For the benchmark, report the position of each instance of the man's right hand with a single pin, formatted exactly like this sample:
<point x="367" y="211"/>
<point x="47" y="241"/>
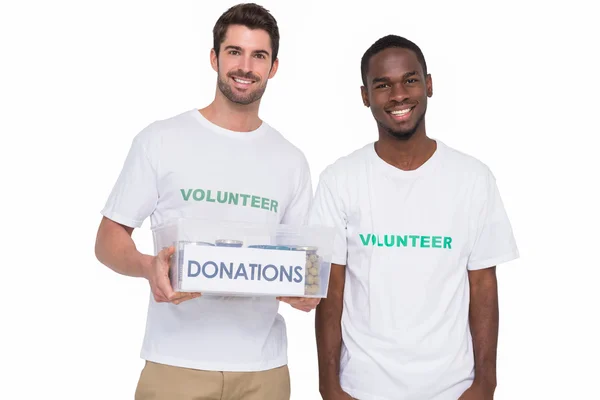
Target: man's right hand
<point x="157" y="274"/>
<point x="336" y="394"/>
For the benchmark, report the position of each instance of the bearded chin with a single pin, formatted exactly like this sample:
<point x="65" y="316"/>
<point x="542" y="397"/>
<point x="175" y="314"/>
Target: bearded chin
<point x="228" y="92"/>
<point x="402" y="135"/>
<point x="405" y="134"/>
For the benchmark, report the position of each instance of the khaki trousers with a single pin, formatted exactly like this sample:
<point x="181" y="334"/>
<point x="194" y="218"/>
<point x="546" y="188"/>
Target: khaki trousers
<point x="165" y="382"/>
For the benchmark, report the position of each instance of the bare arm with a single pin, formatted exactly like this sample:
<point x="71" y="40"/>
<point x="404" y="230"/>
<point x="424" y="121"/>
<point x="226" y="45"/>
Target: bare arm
<point x="329" y="335"/>
<point x="115" y="249"/>
<point x="484" y="318"/>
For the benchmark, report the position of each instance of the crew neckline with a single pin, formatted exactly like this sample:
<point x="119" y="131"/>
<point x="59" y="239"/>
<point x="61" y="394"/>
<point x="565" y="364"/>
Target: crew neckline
<point x="249" y="135"/>
<point x="389" y="169"/>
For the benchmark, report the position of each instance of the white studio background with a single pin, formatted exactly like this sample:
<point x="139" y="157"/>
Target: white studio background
<point x="515" y="85"/>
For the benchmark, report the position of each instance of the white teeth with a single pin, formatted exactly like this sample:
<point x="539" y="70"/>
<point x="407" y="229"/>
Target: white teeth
<point x="242" y="81"/>
<point x="400" y="112"/>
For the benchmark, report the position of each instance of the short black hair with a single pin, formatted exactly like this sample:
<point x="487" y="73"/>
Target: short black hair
<point x="387" y="42"/>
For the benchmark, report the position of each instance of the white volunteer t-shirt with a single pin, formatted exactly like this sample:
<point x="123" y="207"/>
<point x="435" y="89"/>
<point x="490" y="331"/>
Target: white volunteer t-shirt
<point x="408" y="239"/>
<point x="186" y="166"/>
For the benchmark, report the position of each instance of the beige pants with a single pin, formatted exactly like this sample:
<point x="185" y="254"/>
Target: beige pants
<point x="165" y="382"/>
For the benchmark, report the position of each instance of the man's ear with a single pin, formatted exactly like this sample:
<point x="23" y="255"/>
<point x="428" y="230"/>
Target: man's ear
<point x="429" y="85"/>
<point x="274" y="68"/>
<point x="214" y="60"/>
<point x="365" y="96"/>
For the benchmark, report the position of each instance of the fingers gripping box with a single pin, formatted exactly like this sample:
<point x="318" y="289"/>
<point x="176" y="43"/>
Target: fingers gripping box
<point x="238" y="258"/>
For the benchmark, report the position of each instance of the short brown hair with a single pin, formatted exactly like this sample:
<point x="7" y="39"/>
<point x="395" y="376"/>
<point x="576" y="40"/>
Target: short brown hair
<point x="252" y="16"/>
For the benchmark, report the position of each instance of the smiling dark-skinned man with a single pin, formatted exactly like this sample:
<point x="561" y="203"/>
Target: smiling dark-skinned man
<point x="412" y="307"/>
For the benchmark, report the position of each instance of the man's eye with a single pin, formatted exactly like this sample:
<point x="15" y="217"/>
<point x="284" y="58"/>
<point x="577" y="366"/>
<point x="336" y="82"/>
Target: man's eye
<point x="383" y="85"/>
<point x="234" y="52"/>
<point x="412" y="80"/>
<point x="262" y="56"/>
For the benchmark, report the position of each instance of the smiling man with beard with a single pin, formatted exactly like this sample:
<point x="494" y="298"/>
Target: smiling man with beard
<point x="212" y="347"/>
<point x="412" y="305"/>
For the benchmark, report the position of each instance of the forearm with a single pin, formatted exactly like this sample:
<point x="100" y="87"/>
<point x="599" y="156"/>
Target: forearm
<point x="329" y="332"/>
<point x="484" y="321"/>
<point x="116" y="249"/>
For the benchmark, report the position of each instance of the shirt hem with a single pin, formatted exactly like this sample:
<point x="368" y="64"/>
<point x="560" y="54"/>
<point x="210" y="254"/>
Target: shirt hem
<point x="339" y="261"/>
<point x="357" y="394"/>
<point x="211" y="366"/>
<point x="118" y="218"/>
<point x="493" y="261"/>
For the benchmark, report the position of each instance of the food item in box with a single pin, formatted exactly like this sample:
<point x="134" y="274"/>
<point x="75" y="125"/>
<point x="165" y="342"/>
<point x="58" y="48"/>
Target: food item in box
<point x="313" y="261"/>
<point x="269" y="247"/>
<point x="311" y="289"/>
<point x="229" y="243"/>
<point x="312" y="280"/>
<point x="183" y="243"/>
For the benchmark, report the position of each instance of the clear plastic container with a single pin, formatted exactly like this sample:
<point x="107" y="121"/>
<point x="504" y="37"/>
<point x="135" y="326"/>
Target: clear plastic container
<point x="247" y="259"/>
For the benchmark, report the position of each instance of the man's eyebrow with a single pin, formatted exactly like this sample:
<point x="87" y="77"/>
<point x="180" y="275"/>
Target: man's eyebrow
<point x="383" y="79"/>
<point x="380" y="79"/>
<point x="238" y="48"/>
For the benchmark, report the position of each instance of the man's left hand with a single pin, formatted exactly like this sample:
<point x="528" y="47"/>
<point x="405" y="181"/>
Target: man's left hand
<point x="301" y="303"/>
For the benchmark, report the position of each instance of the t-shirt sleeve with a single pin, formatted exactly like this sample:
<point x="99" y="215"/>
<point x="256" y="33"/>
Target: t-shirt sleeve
<point x="296" y="213"/>
<point x="135" y="193"/>
<point x="494" y="241"/>
<point x="327" y="210"/>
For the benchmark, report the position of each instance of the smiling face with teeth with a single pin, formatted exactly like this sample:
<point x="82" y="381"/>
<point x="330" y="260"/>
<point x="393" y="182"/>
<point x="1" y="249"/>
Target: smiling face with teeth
<point x="396" y="91"/>
<point x="244" y="64"/>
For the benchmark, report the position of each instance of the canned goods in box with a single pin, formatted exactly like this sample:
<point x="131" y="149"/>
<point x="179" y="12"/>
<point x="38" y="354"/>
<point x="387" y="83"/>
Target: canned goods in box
<point x="269" y="247"/>
<point x="183" y="243"/>
<point x="198" y="243"/>
<point x="229" y="243"/>
<point x="313" y="263"/>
